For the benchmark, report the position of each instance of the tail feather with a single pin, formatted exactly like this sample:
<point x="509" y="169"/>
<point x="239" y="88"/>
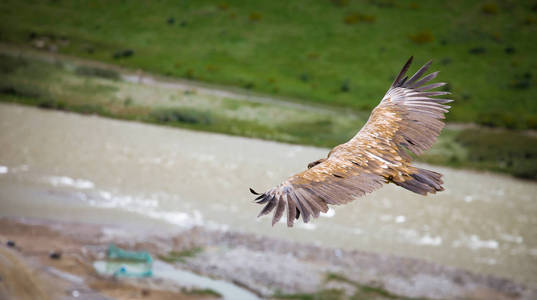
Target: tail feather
<point x="422" y="182"/>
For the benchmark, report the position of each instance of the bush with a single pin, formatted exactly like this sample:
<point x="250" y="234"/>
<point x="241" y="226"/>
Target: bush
<point x="357" y="17"/>
<point x="9" y="64"/>
<point x="255" y="17"/>
<point x="97" y="72"/>
<point x="522" y="81"/>
<point x="490" y="8"/>
<point x="500" y="119"/>
<point x="123" y="53"/>
<point x="422" y="37"/>
<point x="88" y="109"/>
<point x="181" y="115"/>
<point x="506" y="151"/>
<point x="223" y="6"/>
<point x="189" y="74"/>
<point x="530" y="20"/>
<point x="478" y="50"/>
<point x="340" y="3"/>
<point x="22" y="91"/>
<point x="51" y="104"/>
<point x="345" y="86"/>
<point x="531" y="122"/>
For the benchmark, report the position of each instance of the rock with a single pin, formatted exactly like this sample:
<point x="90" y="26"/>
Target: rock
<point x="55" y="255"/>
<point x="446" y="61"/>
<point x="128" y="53"/>
<point x="11" y="244"/>
<point x="510" y="50"/>
<point x="123" y="53"/>
<point x="477" y="50"/>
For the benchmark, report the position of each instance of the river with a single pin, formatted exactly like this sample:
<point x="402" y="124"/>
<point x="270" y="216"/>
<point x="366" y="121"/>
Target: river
<point x="84" y="168"/>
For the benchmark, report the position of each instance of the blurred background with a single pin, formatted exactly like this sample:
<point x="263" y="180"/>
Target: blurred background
<point x="143" y="124"/>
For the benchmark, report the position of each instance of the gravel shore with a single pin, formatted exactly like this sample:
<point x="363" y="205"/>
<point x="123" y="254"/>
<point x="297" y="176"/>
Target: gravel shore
<point x="265" y="266"/>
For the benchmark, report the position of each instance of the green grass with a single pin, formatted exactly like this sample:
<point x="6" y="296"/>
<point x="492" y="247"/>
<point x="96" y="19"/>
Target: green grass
<point x="63" y="86"/>
<point x="361" y="292"/>
<point x="60" y="85"/>
<point x="328" y="294"/>
<point x="203" y="293"/>
<point x="340" y="53"/>
<point x="180" y="256"/>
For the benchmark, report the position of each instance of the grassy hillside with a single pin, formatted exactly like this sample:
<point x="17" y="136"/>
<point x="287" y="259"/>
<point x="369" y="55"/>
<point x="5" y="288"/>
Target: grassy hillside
<point x="64" y="85"/>
<point x="339" y="52"/>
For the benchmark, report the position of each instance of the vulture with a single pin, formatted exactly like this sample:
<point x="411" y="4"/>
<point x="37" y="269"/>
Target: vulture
<point x="407" y="120"/>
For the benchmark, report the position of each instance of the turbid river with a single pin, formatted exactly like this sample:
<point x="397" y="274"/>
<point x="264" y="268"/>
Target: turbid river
<point x="67" y="166"/>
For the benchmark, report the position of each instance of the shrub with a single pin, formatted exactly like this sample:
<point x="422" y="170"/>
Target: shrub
<point x="22" y="91"/>
<point x="127" y="102"/>
<point x="181" y="115"/>
<point x="489" y="8"/>
<point x="531" y="122"/>
<point x="530" y="20"/>
<point x="446" y="61"/>
<point x="478" y="50"/>
<point x="340" y="3"/>
<point x="505" y="151"/>
<point x="223" y="6"/>
<point x="313" y="55"/>
<point x="510" y="50"/>
<point x="345" y="86"/>
<point x="521" y="82"/>
<point x="357" y="17"/>
<point x="88" y="109"/>
<point x="51" y="104"/>
<point x="383" y="3"/>
<point x="211" y="68"/>
<point x="414" y="5"/>
<point x="422" y="37"/>
<point x="123" y="53"/>
<point x="189" y="74"/>
<point x="9" y="64"/>
<point x="255" y="17"/>
<point x="97" y="72"/>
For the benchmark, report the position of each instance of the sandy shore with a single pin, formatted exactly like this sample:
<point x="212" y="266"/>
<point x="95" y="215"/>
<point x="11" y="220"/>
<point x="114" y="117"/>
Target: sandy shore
<point x="262" y="265"/>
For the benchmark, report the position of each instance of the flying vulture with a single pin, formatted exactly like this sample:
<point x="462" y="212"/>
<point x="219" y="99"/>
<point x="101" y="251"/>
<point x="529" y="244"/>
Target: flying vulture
<point x="408" y="119"/>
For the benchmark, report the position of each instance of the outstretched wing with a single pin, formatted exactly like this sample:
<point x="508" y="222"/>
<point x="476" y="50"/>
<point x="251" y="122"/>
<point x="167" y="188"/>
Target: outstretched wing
<point x="407" y="119"/>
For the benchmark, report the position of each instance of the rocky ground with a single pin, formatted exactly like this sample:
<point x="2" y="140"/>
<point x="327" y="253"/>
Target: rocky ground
<point x="268" y="267"/>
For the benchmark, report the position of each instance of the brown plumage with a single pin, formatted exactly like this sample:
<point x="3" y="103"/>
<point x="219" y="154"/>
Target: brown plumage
<point x="408" y="118"/>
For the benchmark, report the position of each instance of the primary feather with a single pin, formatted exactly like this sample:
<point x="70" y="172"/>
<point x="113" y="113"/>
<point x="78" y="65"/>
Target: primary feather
<point x="408" y="118"/>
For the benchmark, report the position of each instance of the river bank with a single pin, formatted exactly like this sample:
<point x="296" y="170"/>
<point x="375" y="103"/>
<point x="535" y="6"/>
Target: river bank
<point x="268" y="267"/>
<point x="55" y="81"/>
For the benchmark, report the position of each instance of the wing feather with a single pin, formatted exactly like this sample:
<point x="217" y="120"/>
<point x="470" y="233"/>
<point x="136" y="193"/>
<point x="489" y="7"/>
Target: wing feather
<point x="291" y="211"/>
<point x="279" y="210"/>
<point x="407" y="119"/>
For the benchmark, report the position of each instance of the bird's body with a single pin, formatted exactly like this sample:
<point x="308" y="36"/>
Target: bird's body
<point x="407" y="119"/>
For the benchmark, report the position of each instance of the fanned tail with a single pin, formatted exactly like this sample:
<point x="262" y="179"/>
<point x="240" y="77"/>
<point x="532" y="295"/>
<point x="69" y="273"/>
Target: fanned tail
<point x="422" y="182"/>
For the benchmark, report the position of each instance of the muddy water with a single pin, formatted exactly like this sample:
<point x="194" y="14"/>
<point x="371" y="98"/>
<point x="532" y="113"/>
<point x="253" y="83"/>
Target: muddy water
<point x="67" y="166"/>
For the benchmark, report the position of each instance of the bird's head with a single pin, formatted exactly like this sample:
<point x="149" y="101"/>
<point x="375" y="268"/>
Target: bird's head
<point x="313" y="164"/>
